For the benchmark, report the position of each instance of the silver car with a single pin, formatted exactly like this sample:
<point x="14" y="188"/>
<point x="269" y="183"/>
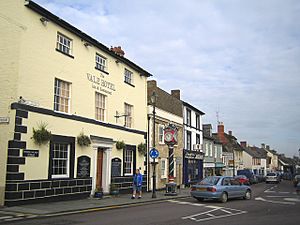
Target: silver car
<point x="220" y="188"/>
<point x="272" y="178"/>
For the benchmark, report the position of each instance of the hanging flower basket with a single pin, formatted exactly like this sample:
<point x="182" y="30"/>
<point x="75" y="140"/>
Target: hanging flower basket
<point x="83" y="140"/>
<point x="120" y="145"/>
<point x="142" y="148"/>
<point x="41" y="135"/>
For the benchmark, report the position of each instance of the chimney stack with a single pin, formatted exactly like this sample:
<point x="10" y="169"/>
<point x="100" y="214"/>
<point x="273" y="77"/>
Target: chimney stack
<point x="118" y="50"/>
<point x="230" y="132"/>
<point x="263" y="145"/>
<point x="175" y="93"/>
<point x="221" y="135"/>
<point x="268" y="147"/>
<point x="243" y="144"/>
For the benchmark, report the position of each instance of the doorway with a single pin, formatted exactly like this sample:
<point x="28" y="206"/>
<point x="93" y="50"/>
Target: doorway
<point x="99" y="168"/>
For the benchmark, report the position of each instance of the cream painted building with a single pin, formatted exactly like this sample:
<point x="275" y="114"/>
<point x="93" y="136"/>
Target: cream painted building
<point x="52" y="73"/>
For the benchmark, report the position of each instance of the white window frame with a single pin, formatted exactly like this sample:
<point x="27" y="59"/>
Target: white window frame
<point x="126" y="156"/>
<point x="188" y="117"/>
<point x="64" y="43"/>
<point x="175" y="165"/>
<point x="128" y="110"/>
<point x="100" y="107"/>
<point x="58" y="95"/>
<point x="101" y="62"/>
<point x="67" y="163"/>
<point x="164" y="168"/>
<point x="206" y="149"/>
<point x="128" y="76"/>
<point x="161" y="135"/>
<point x="210" y="150"/>
<point x="216" y="151"/>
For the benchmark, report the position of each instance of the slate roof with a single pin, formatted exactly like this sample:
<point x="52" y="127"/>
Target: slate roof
<point x="232" y="143"/>
<point x="256" y="152"/>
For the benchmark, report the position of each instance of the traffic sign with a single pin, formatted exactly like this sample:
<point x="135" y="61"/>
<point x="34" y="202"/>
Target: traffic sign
<point x="154" y="153"/>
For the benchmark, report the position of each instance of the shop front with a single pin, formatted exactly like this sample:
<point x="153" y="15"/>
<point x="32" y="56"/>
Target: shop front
<point x="193" y="167"/>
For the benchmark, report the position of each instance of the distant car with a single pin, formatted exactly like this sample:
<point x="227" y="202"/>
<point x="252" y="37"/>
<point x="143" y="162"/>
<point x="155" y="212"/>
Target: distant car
<point x="298" y="188"/>
<point x="249" y="174"/>
<point x="296" y="180"/>
<point x="242" y="179"/>
<point x="272" y="178"/>
<point x="220" y="188"/>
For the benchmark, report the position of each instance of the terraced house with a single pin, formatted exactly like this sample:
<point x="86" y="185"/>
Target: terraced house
<point x="56" y="78"/>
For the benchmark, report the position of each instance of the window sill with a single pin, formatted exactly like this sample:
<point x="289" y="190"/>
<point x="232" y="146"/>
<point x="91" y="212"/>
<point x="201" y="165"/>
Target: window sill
<point x="129" y="84"/>
<point x="64" y="53"/>
<point x="103" y="71"/>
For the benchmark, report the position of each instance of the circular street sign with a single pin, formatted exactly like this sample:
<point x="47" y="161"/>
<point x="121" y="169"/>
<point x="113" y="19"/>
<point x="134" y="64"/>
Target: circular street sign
<point x="154" y="153"/>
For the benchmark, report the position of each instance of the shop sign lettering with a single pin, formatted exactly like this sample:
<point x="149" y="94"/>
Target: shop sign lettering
<point x="100" y="84"/>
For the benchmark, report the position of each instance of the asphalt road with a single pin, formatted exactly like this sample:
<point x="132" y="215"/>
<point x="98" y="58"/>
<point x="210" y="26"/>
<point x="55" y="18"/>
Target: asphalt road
<point x="271" y="204"/>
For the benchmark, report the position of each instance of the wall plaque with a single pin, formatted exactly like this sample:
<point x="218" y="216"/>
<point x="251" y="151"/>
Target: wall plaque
<point x="83" y="166"/>
<point x="30" y="153"/>
<point x="116" y="167"/>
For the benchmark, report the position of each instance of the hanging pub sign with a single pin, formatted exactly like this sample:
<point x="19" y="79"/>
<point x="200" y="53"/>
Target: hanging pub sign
<point x="170" y="134"/>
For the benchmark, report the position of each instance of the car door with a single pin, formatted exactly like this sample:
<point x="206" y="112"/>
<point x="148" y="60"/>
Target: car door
<point x="227" y="187"/>
<point x="238" y="189"/>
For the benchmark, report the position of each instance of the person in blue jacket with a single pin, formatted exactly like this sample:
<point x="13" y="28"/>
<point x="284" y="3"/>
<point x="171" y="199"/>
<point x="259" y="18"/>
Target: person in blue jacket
<point x="137" y="184"/>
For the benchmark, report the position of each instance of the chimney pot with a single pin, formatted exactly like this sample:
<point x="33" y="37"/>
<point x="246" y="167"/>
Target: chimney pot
<point x="118" y="50"/>
<point x="230" y="132"/>
<point x="175" y="93"/>
<point x="268" y="147"/>
<point x="243" y="144"/>
<point x="263" y="145"/>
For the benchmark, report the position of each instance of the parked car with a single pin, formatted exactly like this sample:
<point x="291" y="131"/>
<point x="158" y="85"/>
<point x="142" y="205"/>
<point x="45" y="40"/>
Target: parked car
<point x="249" y="174"/>
<point x="296" y="180"/>
<point x="220" y="188"/>
<point x="242" y="179"/>
<point x="272" y="178"/>
<point x="298" y="188"/>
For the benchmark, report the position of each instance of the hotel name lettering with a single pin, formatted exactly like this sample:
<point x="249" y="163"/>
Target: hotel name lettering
<point x="100" y="84"/>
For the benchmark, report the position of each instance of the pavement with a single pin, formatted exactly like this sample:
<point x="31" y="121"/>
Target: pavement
<point x="49" y="209"/>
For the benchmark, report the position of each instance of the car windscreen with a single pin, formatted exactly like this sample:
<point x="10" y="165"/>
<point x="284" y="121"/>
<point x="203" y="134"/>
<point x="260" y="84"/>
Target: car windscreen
<point x="210" y="181"/>
<point x="271" y="174"/>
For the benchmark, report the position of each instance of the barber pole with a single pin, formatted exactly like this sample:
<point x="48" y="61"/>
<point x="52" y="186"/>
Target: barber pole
<point x="170" y="134"/>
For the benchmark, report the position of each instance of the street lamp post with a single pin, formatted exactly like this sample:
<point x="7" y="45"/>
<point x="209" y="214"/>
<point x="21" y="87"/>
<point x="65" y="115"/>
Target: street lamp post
<point x="153" y="101"/>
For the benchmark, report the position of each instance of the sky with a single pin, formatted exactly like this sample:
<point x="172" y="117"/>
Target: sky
<point x="235" y="57"/>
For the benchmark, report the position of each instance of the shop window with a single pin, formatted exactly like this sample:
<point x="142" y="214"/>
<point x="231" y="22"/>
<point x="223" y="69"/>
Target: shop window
<point x="62" y="156"/>
<point x="60" y="160"/>
<point x="64" y="44"/>
<point x="100" y="102"/>
<point x="101" y="63"/>
<point x="128" y="113"/>
<point x="62" y="97"/>
<point x="128" y="162"/>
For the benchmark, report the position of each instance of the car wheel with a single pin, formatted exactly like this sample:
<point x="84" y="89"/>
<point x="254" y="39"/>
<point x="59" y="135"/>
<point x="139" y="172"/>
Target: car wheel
<point x="224" y="197"/>
<point x="200" y="199"/>
<point x="248" y="195"/>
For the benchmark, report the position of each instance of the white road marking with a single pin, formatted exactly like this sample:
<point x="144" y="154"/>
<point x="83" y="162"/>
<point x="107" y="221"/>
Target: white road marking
<point x="5" y="217"/>
<point x="13" y="219"/>
<point x="275" y="202"/>
<point x="198" y="214"/>
<point x="277" y="196"/>
<point x="283" y="192"/>
<point x="292" y="199"/>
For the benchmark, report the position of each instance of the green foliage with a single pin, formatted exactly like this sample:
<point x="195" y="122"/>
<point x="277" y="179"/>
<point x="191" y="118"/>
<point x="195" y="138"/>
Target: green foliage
<point x="142" y="148"/>
<point x="41" y="135"/>
<point x="120" y="145"/>
<point x="83" y="140"/>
